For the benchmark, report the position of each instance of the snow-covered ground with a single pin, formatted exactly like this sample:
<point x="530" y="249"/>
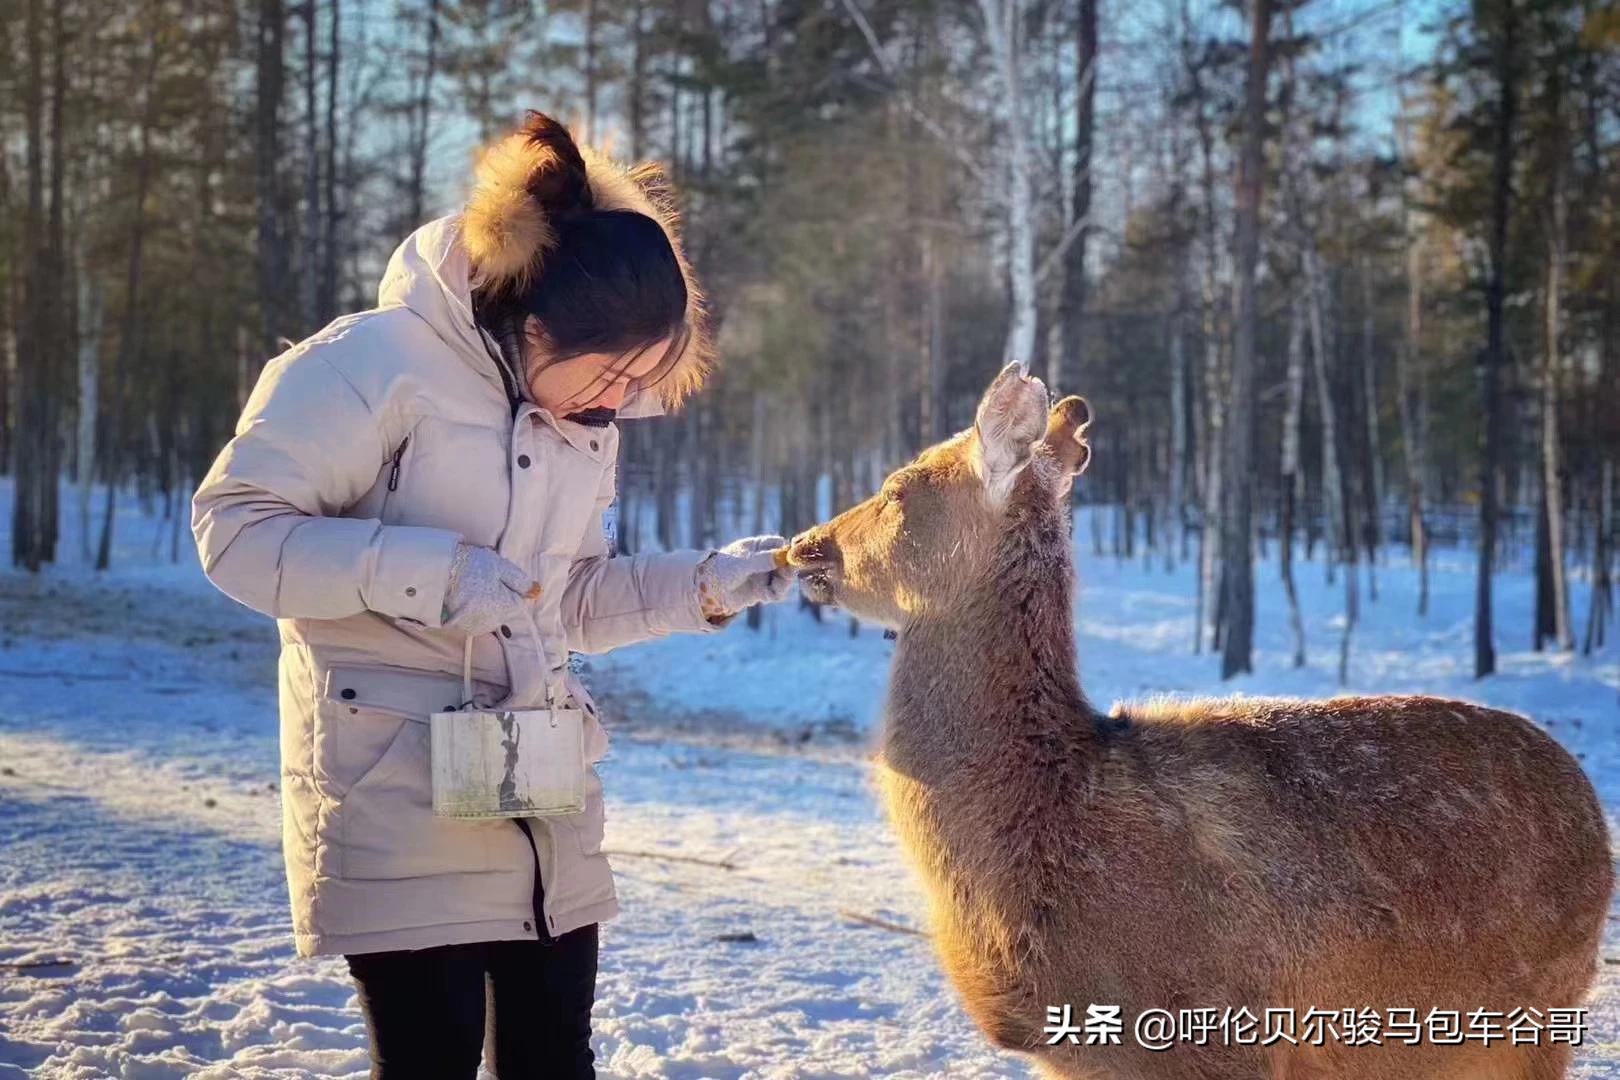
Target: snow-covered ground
<point x="143" y="927"/>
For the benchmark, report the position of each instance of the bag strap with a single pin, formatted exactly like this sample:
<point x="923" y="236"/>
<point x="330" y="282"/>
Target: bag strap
<point x="556" y="692"/>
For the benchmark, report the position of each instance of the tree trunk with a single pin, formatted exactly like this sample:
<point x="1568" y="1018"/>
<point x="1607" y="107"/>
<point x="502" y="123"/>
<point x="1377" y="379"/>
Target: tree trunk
<point x="1003" y="27"/>
<point x="591" y="21"/>
<point x="1560" y="626"/>
<point x="89" y="299"/>
<point x="932" y="420"/>
<point x="1602" y="605"/>
<point x="327" y="294"/>
<point x="1236" y="525"/>
<point x="1073" y="316"/>
<point x="310" y="275"/>
<point x="1176" y="510"/>
<point x="1335" y="488"/>
<point x="267" y="156"/>
<point x="1214" y="390"/>
<point x="1409" y="374"/>
<point x="33" y="369"/>
<point x="130" y="331"/>
<point x="664" y="450"/>
<point x="1372" y="533"/>
<point x="638" y="82"/>
<point x="756" y="479"/>
<point x="698" y="521"/>
<point x="1495" y="356"/>
<point x="1290" y="482"/>
<point x="421" y="120"/>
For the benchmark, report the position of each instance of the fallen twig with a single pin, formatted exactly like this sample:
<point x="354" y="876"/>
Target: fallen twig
<point x="79" y="676"/>
<point x="724" y="864"/>
<point x="881" y="924"/>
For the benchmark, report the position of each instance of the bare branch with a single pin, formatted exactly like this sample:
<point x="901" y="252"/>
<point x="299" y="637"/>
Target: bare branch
<point x="963" y="158"/>
<point x="1055" y="256"/>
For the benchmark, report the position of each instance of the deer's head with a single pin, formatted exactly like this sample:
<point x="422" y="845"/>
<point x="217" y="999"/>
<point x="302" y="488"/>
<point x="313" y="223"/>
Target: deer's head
<point x="930" y="531"/>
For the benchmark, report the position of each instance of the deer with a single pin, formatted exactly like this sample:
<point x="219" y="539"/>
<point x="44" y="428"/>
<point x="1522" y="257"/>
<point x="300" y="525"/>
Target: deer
<point x="1369" y="853"/>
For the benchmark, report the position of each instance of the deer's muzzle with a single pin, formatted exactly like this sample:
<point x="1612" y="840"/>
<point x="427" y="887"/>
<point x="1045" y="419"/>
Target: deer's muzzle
<point x="815" y="557"/>
<point x="813" y="550"/>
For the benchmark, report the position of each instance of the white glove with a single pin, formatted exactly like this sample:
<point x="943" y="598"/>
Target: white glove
<point x="741" y="574"/>
<point x="485" y="591"/>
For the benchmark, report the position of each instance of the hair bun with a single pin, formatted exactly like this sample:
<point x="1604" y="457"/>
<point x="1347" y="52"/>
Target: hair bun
<point x="558" y="182"/>
<point x="528" y="176"/>
<point x="523" y="186"/>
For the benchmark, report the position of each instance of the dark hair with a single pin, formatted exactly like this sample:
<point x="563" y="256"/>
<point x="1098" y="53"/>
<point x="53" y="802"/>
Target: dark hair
<point x="611" y="285"/>
<point x="609" y="282"/>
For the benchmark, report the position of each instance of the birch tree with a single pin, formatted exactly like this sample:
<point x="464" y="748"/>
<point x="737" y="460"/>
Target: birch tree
<point x="1409" y="361"/>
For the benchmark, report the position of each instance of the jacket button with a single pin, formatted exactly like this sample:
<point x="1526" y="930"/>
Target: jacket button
<point x="523" y="461"/>
<point x="347" y="694"/>
<point x="506" y="631"/>
<point x="593" y="444"/>
<point x="410" y="590"/>
<point x="527" y="925"/>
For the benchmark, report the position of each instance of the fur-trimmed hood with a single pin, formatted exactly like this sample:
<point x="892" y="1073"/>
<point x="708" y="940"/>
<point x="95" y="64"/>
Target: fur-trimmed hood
<point x="508" y="234"/>
<point x="429" y="274"/>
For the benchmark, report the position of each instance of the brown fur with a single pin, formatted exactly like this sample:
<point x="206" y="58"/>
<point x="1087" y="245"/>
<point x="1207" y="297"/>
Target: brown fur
<point x="1365" y="852"/>
<point x="506" y="225"/>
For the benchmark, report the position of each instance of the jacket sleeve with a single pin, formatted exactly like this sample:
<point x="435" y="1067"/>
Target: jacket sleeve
<point x="611" y="602"/>
<point x="266" y="517"/>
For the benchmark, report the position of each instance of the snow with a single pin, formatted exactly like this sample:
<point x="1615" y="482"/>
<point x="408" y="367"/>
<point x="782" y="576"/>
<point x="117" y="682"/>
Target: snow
<point x="143" y="922"/>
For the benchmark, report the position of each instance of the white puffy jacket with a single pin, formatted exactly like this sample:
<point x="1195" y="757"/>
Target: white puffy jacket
<point x="364" y="454"/>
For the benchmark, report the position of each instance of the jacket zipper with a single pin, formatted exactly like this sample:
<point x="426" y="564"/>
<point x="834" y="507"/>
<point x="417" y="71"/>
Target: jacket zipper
<point x="399" y="455"/>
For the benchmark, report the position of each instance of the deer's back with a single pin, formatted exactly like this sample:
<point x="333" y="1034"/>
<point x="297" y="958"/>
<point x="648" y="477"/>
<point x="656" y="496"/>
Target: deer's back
<point x="1412" y="848"/>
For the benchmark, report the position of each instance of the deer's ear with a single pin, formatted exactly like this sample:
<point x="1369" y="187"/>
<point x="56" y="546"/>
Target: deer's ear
<point x="1065" y="438"/>
<point x="1011" y="417"/>
<point x="1066" y="434"/>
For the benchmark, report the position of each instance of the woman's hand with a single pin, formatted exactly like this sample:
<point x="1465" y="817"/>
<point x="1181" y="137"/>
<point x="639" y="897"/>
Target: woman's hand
<point x="485" y="590"/>
<point x="741" y="574"/>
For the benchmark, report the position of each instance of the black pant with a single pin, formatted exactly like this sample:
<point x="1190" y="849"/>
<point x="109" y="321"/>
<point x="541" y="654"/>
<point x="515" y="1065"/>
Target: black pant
<point x="427" y="1016"/>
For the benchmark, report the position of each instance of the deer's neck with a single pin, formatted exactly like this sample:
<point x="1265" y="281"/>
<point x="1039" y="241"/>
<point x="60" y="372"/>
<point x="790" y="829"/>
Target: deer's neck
<point x="989" y="749"/>
<point x="992" y="688"/>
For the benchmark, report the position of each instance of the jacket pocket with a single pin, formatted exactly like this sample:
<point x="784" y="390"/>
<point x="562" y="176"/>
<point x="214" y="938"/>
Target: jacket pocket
<point x="394" y="472"/>
<point x="385" y="825"/>
<point x="364" y="710"/>
<point x="591" y="822"/>
<point x="596" y="737"/>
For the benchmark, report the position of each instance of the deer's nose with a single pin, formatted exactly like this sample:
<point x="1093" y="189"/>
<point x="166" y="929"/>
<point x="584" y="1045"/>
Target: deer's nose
<point x="812" y="549"/>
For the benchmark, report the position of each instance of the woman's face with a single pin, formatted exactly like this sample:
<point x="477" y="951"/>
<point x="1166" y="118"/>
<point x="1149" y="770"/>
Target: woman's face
<point x="592" y="380"/>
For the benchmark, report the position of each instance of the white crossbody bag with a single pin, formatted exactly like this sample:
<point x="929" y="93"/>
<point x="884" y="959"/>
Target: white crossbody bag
<point x="507" y="763"/>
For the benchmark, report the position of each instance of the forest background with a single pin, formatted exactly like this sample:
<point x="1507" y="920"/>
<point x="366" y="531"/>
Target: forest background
<point x="1337" y="276"/>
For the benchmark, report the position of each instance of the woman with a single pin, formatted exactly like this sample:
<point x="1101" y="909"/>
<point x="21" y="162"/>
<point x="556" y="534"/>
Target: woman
<point x="437" y="468"/>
